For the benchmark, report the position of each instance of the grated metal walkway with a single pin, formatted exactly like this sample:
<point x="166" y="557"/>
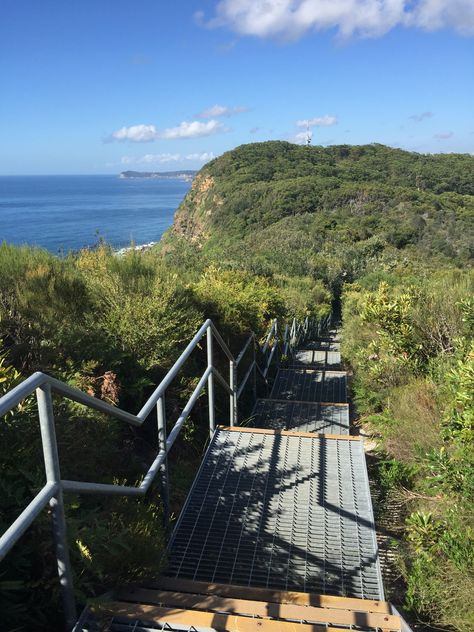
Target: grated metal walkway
<point x="310" y="385"/>
<point x="328" y="344"/>
<point x="300" y="416"/>
<point x="317" y="359"/>
<point x="280" y="510"/>
<point x="280" y="513"/>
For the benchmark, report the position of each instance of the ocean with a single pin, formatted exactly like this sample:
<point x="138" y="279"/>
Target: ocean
<point x="64" y="213"/>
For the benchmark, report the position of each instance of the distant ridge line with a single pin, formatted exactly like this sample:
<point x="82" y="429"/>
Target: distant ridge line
<point x="186" y="174"/>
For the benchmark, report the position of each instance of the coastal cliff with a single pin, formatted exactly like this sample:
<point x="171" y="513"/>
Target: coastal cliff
<point x="344" y="202"/>
<point x="194" y="215"/>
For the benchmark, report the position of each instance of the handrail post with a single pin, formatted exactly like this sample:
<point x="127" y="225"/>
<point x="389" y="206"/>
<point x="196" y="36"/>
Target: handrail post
<point x="254" y="359"/>
<point x="53" y="475"/>
<point x="210" y="382"/>
<point x="233" y="396"/>
<point x="165" y="485"/>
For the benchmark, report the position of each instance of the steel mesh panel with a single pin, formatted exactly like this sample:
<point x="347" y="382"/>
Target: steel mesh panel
<point x="279" y="511"/>
<point x="330" y="344"/>
<point x="319" y="359"/>
<point x="300" y="416"/>
<point x="310" y="385"/>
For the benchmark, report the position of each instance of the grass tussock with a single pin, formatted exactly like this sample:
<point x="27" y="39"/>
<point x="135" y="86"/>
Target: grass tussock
<point x="416" y="426"/>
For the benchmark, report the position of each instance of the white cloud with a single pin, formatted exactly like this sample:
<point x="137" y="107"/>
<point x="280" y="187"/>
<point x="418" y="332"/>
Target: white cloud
<point x="302" y="137"/>
<point x="136" y="133"/>
<point x="431" y="15"/>
<point x="222" y="110"/>
<point x="204" y="157"/>
<point x="167" y="158"/>
<point x="443" y="135"/>
<point x="318" y="121"/>
<point x="291" y="19"/>
<point x="421" y="117"/>
<point x="186" y="129"/>
<point x="159" y="158"/>
<point x="194" y="129"/>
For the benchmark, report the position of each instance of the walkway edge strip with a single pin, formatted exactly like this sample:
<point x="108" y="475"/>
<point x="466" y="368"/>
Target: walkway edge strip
<point x="289" y="433"/>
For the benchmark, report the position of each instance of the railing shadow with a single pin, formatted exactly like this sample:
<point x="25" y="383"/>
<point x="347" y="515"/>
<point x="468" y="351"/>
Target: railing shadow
<point x="258" y="515"/>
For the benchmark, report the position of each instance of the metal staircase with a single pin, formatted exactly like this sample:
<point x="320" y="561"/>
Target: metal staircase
<point x="277" y="531"/>
<point x="310" y="393"/>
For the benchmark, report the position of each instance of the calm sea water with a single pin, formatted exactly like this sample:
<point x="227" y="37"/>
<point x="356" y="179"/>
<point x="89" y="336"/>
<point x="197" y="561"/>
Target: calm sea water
<point x="63" y="213"/>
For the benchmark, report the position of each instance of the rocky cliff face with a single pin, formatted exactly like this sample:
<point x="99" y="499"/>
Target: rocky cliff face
<point x="193" y="217"/>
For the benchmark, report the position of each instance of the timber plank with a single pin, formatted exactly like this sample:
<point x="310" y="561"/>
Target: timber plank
<point x="275" y="596"/>
<point x="262" y="609"/>
<point x="198" y="619"/>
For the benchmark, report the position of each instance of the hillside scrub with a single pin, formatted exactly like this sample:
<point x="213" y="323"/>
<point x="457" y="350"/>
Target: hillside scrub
<point x="411" y="345"/>
<point x="111" y="326"/>
<point x="333" y="213"/>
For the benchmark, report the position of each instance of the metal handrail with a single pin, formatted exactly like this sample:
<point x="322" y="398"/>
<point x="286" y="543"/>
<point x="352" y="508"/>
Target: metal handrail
<point x="52" y="492"/>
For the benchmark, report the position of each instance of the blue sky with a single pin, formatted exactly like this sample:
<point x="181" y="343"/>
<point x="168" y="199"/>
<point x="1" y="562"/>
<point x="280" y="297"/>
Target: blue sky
<point x="99" y="86"/>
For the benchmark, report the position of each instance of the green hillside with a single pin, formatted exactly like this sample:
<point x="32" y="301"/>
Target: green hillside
<point x="307" y="209"/>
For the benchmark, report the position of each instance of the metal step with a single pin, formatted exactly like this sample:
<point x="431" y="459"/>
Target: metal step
<point x="324" y="344"/>
<point x="310" y="385"/>
<point x="316" y="359"/>
<point x="301" y="416"/>
<point x="284" y="510"/>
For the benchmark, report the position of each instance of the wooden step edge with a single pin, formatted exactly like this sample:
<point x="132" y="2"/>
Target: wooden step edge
<point x="290" y="433"/>
<point x="269" y="595"/>
<point x="262" y="609"/>
<point x="209" y="620"/>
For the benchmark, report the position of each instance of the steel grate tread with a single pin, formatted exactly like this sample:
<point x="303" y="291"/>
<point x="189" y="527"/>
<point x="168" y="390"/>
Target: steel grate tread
<point x="317" y="359"/>
<point x="280" y="511"/>
<point x="328" y="344"/>
<point x="310" y="385"/>
<point x="300" y="416"/>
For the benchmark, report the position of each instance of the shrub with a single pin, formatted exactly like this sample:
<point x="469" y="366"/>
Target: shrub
<point x="238" y="301"/>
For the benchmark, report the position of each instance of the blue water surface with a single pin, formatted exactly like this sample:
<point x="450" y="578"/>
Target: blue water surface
<point x="63" y="213"/>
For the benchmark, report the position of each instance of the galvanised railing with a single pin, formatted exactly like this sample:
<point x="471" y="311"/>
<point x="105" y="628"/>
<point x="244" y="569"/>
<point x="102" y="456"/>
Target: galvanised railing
<point x="44" y="385"/>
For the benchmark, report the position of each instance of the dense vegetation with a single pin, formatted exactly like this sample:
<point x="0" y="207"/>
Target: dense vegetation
<point x="330" y="213"/>
<point x="411" y="343"/>
<point x="267" y="230"/>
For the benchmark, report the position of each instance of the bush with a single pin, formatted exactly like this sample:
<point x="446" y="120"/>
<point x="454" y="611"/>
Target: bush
<point x="238" y="301"/>
<point x="410" y="342"/>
